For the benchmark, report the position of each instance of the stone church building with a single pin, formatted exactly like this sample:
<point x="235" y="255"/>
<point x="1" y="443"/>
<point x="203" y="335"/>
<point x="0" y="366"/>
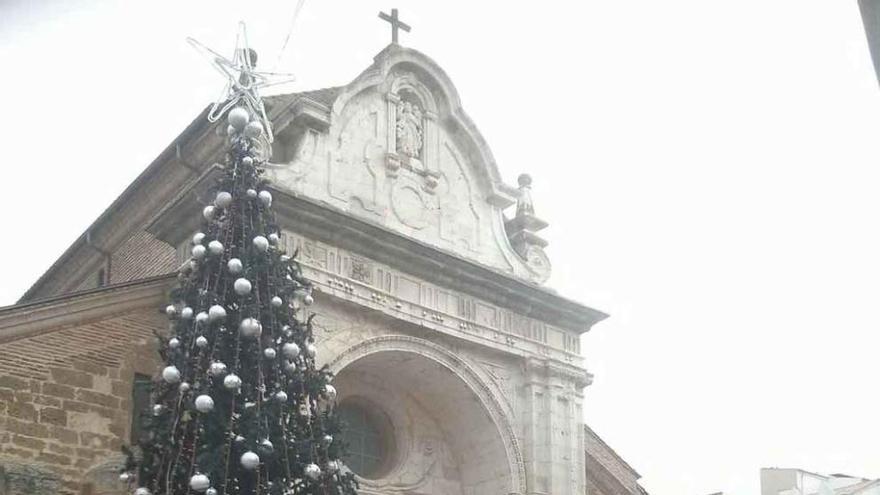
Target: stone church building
<point x="458" y="371"/>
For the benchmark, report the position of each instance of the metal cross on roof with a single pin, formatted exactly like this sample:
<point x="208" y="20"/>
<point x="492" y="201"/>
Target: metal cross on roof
<point x="396" y="24"/>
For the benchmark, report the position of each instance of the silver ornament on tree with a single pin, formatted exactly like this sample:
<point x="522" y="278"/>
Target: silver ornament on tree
<point x="198" y="251"/>
<point x="202" y="317"/>
<point x="274" y="238"/>
<point x="250" y="327"/>
<point x="332" y="466"/>
<point x="308" y="300"/>
<point x="253" y="129"/>
<point x="312" y="471"/>
<point x="250" y="460"/>
<point x="290" y="350"/>
<point x="327" y="440"/>
<point x="277" y="302"/>
<point x="199" y="482"/>
<point x="281" y="396"/>
<point x="215" y="248"/>
<point x="171" y="374"/>
<point x="232" y="381"/>
<point x="217" y="368"/>
<point x="186" y="313"/>
<point x="208" y="212"/>
<point x="198" y="238"/>
<point x="158" y="409"/>
<point x="242" y="286"/>
<point x="238" y="118"/>
<point x="311" y="350"/>
<point x="142" y="491"/>
<point x="184" y="387"/>
<point x="211" y="491"/>
<point x="216" y="313"/>
<point x="124" y="477"/>
<point x="234" y="266"/>
<point x="174" y="343"/>
<point x="261" y="243"/>
<point x="223" y="199"/>
<point x="265" y="198"/>
<point x="247" y="161"/>
<point x="266" y="446"/>
<point x="170" y="310"/>
<point x="251" y="193"/>
<point x="201" y="341"/>
<point x="269" y="353"/>
<point x="204" y="403"/>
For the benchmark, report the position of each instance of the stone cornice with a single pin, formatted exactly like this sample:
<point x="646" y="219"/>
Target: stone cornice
<point x="29" y="319"/>
<point x="327" y="224"/>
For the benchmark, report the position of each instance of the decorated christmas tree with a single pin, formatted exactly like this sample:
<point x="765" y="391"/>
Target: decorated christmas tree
<point x="240" y="406"/>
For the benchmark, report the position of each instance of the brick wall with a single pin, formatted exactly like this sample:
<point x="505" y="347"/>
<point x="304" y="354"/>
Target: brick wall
<point x="65" y="399"/>
<point x="142" y="256"/>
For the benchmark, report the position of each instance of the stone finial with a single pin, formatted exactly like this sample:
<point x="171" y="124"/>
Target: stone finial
<point x="524" y="205"/>
<point x="522" y="231"/>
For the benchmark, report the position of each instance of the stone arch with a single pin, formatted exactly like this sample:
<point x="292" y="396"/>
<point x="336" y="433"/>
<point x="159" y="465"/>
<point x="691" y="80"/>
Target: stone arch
<point x="481" y="395"/>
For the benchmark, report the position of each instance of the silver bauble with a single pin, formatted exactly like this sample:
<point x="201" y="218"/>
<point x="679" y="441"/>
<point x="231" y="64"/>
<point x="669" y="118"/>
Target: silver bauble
<point x="247" y="161"/>
<point x="199" y="482"/>
<point x="290" y="350"/>
<point x="215" y="248"/>
<point x="332" y="466"/>
<point x="186" y="313"/>
<point x="242" y="286"/>
<point x="201" y="341"/>
<point x="274" y="238"/>
<point x="327" y="440"/>
<point x="285" y="258"/>
<point x="198" y="238"/>
<point x="312" y="471"/>
<point x="288" y="332"/>
<point x="184" y="387"/>
<point x="142" y="491"/>
<point x="281" y="396"/>
<point x="269" y="353"/>
<point x="330" y="392"/>
<point x="253" y="129"/>
<point x="216" y="313"/>
<point x="308" y="300"/>
<point x="157" y="409"/>
<point x="230" y="131"/>
<point x="265" y="198"/>
<point x="311" y="350"/>
<point x="277" y="302"/>
<point x="250" y="460"/>
<point x="202" y="317"/>
<point x="124" y="477"/>
<point x="204" y="403"/>
<point x="239" y="439"/>
<point x="251" y="193"/>
<point x="216" y="368"/>
<point x="261" y="243"/>
<point x="199" y="251"/>
<point x="211" y="491"/>
<point x="250" y="327"/>
<point x="174" y="343"/>
<point x="234" y="265"/>
<point x="208" y="212"/>
<point x="266" y="446"/>
<point x="238" y="118"/>
<point x="289" y="367"/>
<point x="232" y="381"/>
<point x="170" y="310"/>
<point x="223" y="199"/>
<point x="171" y="374"/>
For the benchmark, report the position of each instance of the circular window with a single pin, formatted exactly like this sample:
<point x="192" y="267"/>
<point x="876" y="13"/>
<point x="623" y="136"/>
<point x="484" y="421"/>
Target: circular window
<point x="369" y="437"/>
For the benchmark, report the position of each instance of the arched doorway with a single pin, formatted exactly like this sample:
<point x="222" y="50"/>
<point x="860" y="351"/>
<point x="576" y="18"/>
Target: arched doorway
<point x="421" y="423"/>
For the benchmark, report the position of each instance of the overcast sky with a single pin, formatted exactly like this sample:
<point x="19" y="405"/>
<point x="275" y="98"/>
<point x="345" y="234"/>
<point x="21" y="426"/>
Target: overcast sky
<point x="708" y="169"/>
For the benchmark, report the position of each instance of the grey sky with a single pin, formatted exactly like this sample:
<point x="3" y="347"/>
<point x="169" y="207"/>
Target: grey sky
<point x="709" y="170"/>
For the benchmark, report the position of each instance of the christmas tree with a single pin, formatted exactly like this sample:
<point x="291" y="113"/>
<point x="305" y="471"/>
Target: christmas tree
<point x="240" y="406"/>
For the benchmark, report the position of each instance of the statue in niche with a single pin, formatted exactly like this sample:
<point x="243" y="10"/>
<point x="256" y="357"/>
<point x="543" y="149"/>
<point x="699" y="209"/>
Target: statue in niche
<point x="409" y="129"/>
<point x="524" y="205"/>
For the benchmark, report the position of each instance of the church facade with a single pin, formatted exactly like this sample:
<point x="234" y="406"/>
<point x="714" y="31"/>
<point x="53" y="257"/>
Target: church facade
<point x="457" y="370"/>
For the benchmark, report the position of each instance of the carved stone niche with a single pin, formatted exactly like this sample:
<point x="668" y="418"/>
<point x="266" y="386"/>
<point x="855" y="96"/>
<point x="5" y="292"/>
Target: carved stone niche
<point x="412" y="131"/>
<point x="522" y="232"/>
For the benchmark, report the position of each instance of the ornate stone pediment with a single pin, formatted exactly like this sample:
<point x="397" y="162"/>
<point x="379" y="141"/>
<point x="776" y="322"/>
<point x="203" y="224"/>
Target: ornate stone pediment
<point x="395" y="147"/>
